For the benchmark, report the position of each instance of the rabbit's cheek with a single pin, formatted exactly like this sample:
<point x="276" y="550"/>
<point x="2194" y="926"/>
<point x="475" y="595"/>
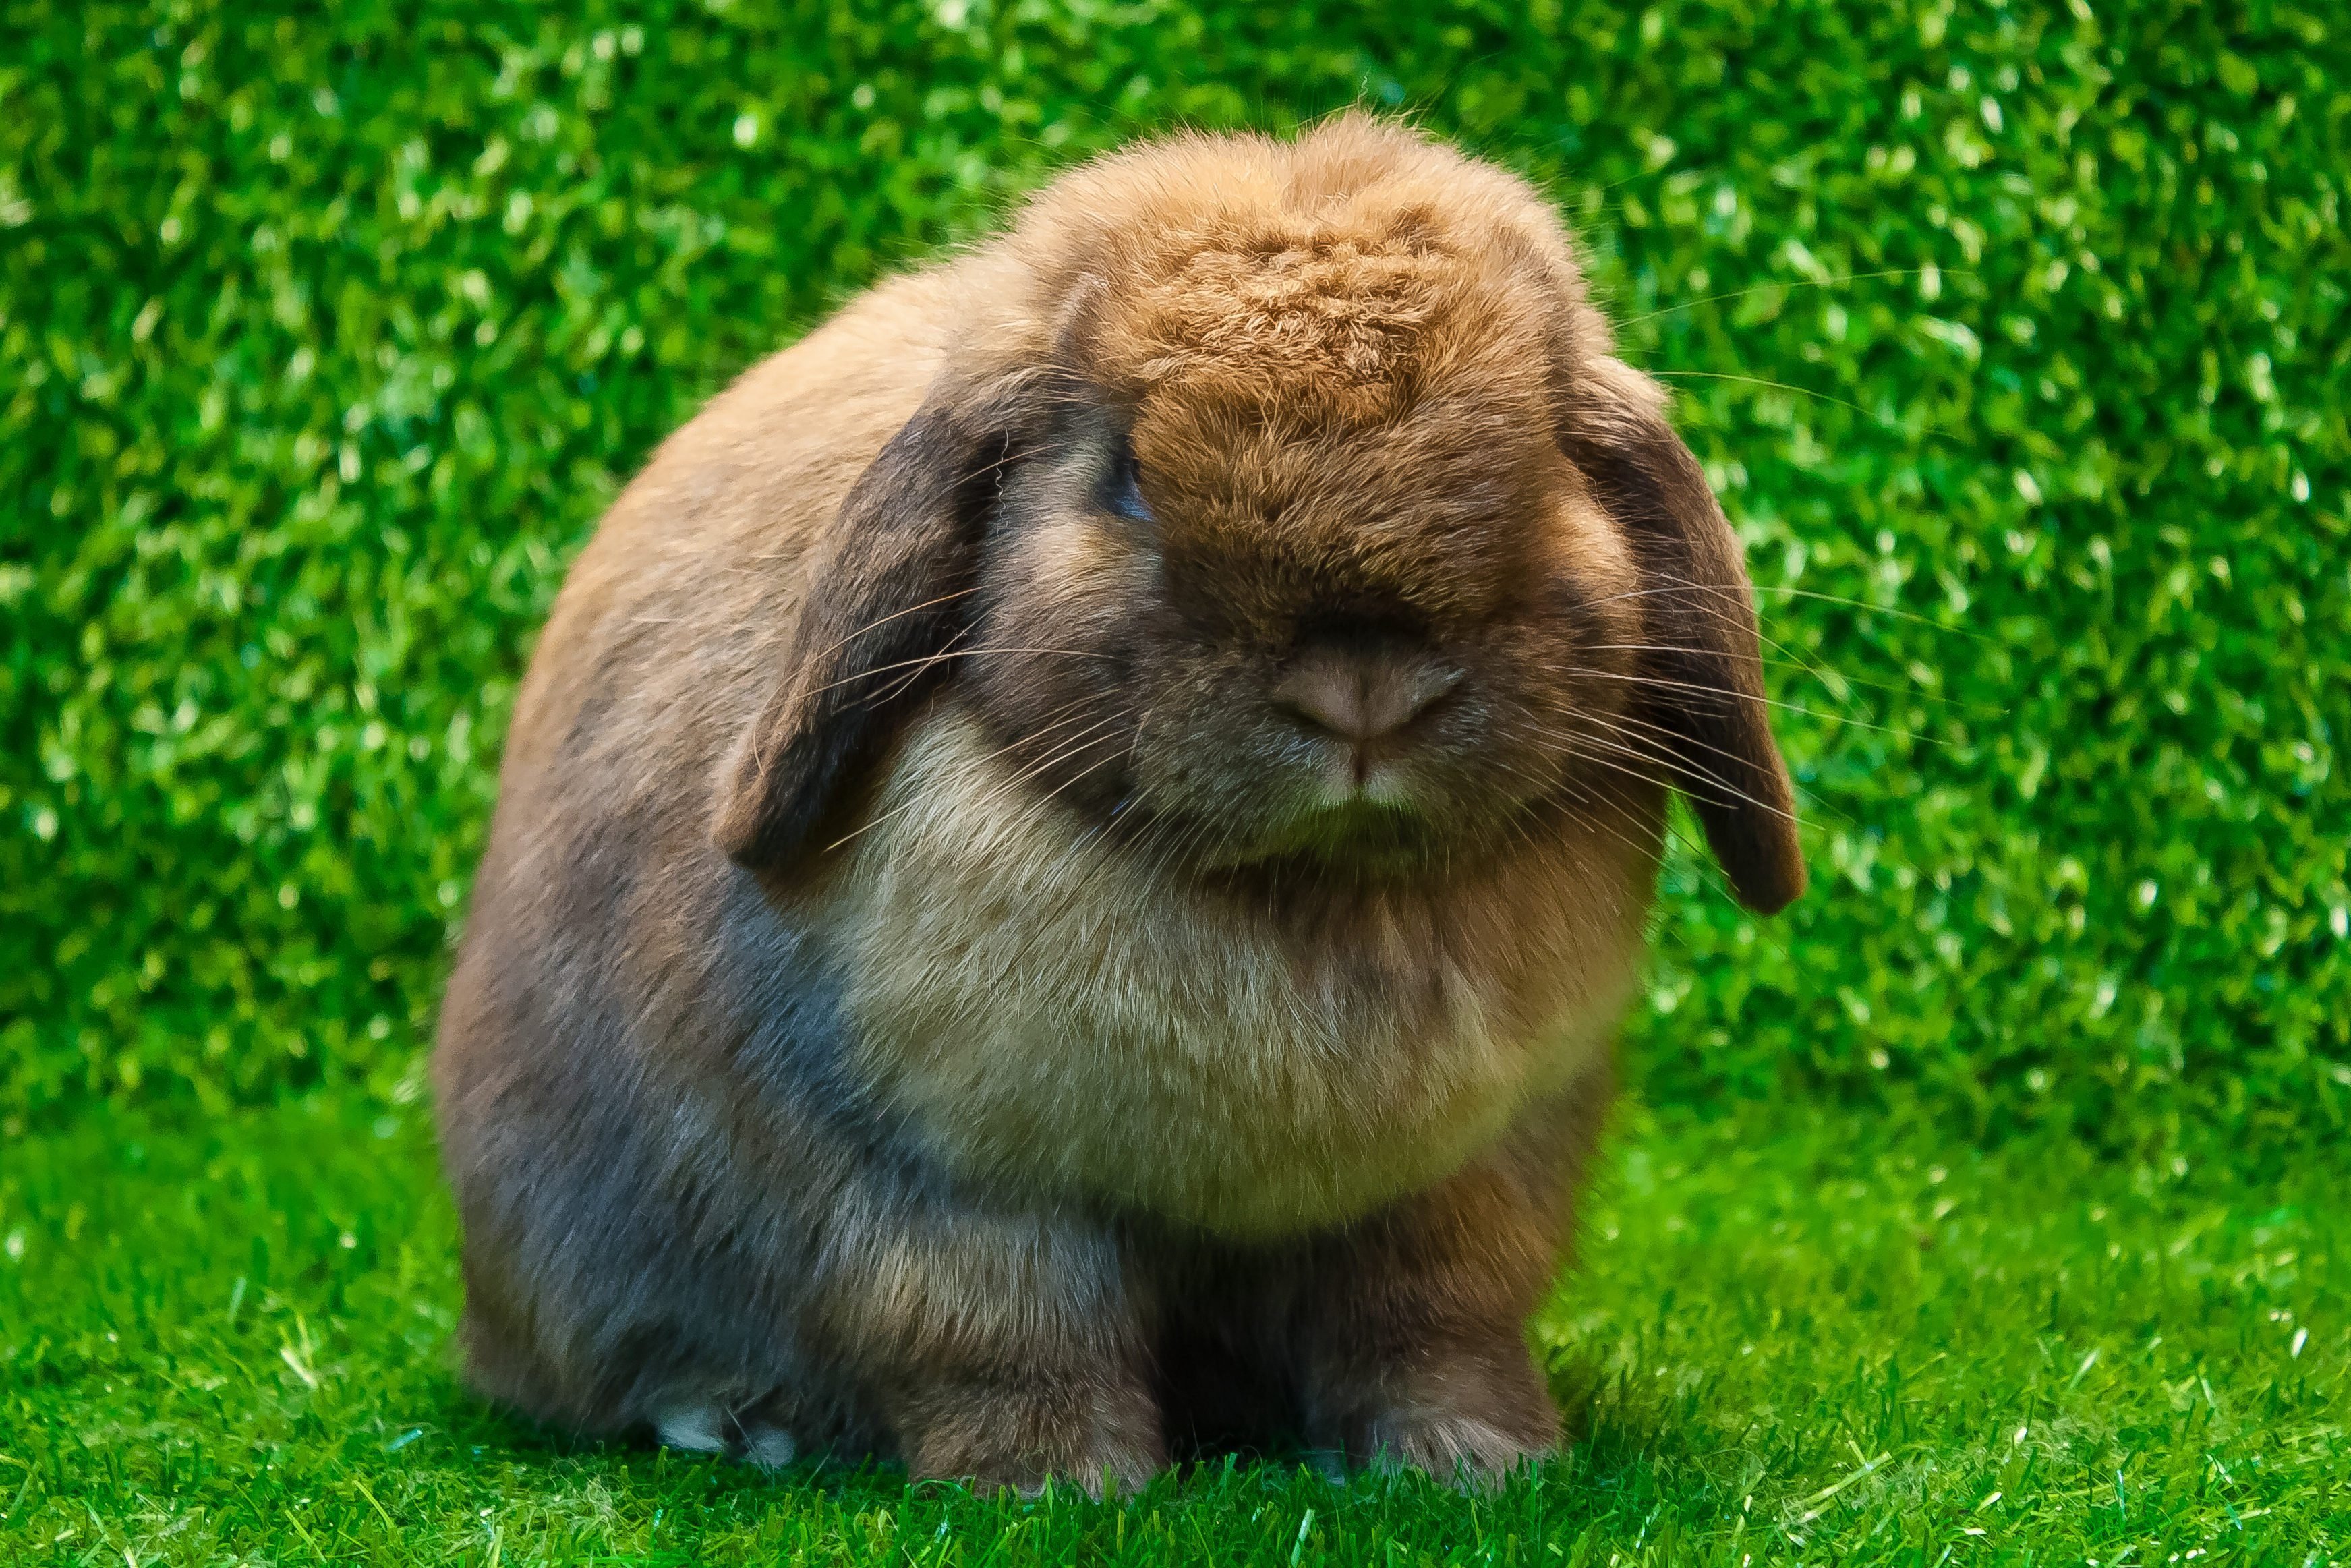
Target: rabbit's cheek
<point x="1053" y="1015"/>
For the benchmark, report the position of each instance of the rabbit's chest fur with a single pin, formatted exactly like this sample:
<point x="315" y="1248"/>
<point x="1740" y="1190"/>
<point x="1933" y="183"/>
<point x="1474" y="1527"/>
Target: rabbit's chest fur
<point x="1053" y="1015"/>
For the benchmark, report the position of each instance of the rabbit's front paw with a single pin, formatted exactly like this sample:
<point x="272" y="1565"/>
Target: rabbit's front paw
<point x="1102" y="1439"/>
<point x="1470" y="1418"/>
<point x="1464" y="1449"/>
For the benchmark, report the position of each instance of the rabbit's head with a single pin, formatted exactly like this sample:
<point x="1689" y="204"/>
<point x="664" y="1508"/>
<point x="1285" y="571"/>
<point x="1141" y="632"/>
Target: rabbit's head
<point x="1281" y="508"/>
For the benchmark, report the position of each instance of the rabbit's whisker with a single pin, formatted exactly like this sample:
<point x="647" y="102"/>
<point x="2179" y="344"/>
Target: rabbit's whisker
<point x="1870" y="414"/>
<point x="898" y="687"/>
<point x="1600" y="761"/>
<point x="945" y="653"/>
<point x="1032" y="737"/>
<point x="1599" y="813"/>
<point x="1827" y="675"/>
<point x="1574" y="747"/>
<point x="1662" y="683"/>
<point x="1793" y="283"/>
<point x="1689" y="770"/>
<point x="1733" y="593"/>
<point x="1069" y="747"/>
<point x="881" y="621"/>
<point x="1674" y="744"/>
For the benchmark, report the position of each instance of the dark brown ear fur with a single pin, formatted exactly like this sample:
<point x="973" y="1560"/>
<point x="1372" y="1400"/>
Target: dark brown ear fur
<point x="890" y="597"/>
<point x="1703" y="678"/>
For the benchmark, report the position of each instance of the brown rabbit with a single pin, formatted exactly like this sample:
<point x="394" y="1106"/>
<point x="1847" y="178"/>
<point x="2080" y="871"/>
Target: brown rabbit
<point x="1071" y="853"/>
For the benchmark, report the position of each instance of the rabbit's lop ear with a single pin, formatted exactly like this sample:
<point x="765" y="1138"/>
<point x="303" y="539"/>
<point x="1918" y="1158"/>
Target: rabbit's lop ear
<point x="889" y="597"/>
<point x="1702" y="678"/>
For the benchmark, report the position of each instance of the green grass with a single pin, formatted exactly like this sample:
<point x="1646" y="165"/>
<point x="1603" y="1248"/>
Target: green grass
<point x="1825" y="1341"/>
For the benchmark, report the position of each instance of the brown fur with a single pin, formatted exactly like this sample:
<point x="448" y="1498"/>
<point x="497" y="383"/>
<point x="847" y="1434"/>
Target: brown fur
<point x="1068" y="857"/>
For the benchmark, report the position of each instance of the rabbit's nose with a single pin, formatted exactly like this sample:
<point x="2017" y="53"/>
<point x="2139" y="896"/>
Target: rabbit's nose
<point x="1361" y="697"/>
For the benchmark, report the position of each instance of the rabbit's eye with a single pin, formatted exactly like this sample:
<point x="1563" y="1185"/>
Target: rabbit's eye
<point x="1123" y="492"/>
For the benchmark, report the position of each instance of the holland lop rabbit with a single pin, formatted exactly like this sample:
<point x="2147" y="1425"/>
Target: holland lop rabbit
<point x="1070" y="857"/>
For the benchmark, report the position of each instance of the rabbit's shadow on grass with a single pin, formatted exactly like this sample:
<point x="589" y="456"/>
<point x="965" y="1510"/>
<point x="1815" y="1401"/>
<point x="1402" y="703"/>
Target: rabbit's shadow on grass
<point x="1625" y="1451"/>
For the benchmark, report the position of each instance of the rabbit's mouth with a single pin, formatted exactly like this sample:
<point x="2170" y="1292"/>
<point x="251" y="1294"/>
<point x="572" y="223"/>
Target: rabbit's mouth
<point x="1359" y="834"/>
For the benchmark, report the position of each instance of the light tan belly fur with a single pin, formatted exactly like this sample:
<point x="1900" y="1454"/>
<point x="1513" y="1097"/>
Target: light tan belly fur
<point x="1055" y="1018"/>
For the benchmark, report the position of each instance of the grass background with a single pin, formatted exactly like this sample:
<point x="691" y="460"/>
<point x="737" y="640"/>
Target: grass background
<point x="2014" y="336"/>
<point x="329" y="333"/>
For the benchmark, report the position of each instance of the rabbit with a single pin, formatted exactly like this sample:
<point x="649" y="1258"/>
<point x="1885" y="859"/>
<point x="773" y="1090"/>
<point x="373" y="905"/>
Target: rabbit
<point x="1071" y="853"/>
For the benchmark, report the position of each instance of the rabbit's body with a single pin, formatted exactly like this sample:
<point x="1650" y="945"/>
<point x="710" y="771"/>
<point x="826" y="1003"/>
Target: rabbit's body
<point x="1023" y="1087"/>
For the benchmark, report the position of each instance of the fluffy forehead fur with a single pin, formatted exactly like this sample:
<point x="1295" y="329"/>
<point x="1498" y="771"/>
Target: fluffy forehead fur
<point x="1355" y="266"/>
<point x="1343" y="349"/>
